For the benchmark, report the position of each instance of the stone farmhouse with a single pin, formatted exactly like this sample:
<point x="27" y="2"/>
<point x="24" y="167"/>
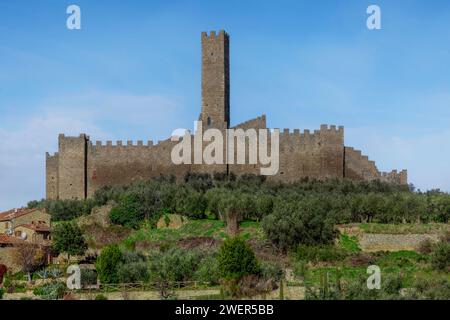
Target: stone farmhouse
<point x="22" y="226"/>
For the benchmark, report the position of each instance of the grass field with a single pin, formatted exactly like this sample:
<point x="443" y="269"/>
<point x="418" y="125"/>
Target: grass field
<point x="204" y="228"/>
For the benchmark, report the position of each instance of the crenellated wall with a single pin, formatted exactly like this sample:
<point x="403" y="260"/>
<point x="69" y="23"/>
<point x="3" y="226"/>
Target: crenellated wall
<point x="359" y="167"/>
<point x="80" y="167"/>
<point x="122" y="164"/>
<point x="72" y="154"/>
<point x="256" y="123"/>
<point x="317" y="154"/>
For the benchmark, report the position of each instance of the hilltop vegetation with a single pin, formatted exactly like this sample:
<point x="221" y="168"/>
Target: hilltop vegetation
<point x="288" y="227"/>
<point x="303" y="212"/>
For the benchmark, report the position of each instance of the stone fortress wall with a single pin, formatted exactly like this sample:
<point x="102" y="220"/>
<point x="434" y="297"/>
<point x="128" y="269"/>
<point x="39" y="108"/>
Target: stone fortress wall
<point x="80" y="167"/>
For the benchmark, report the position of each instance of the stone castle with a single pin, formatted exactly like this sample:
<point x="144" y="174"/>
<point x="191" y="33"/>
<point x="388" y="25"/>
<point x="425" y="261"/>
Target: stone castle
<point x="80" y="167"/>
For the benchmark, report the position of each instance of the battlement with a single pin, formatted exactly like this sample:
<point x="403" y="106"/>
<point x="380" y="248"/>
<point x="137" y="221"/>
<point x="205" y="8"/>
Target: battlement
<point x="121" y="144"/>
<point x="395" y="177"/>
<point x="324" y="129"/>
<point x="214" y="36"/>
<point x="330" y="129"/>
<point x="81" y="166"/>
<point x="49" y="155"/>
<point x="256" y="123"/>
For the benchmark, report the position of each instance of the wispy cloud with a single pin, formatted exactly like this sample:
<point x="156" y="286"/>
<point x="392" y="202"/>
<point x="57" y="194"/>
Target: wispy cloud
<point x="103" y="116"/>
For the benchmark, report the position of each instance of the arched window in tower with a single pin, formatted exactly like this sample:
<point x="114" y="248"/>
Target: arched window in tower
<point x="208" y="121"/>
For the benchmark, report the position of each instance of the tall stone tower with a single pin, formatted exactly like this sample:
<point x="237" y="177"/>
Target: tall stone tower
<point x="215" y="80"/>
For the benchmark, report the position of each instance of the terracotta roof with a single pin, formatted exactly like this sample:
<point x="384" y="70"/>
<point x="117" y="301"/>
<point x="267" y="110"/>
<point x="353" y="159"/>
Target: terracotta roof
<point x="5" y="239"/>
<point x="36" y="227"/>
<point x="14" y="213"/>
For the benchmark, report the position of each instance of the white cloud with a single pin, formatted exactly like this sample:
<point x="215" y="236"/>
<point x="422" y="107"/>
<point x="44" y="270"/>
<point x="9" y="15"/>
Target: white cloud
<point x="23" y="142"/>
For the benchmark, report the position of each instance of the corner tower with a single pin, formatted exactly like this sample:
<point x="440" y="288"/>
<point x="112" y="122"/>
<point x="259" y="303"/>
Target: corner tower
<point x="215" y="80"/>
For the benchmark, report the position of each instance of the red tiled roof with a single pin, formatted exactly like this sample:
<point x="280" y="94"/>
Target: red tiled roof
<point x="14" y="213"/>
<point x="36" y="227"/>
<point x="5" y="239"/>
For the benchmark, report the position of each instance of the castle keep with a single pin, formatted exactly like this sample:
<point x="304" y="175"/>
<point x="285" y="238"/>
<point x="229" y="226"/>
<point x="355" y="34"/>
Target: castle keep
<point x="80" y="166"/>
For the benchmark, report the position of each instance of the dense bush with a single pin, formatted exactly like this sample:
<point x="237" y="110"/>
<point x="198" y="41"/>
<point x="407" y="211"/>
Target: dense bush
<point x="308" y="222"/>
<point x="440" y="257"/>
<point x="68" y="238"/>
<point x="294" y="208"/>
<point x="271" y="270"/>
<point x="108" y="263"/>
<point x="355" y="289"/>
<point x="433" y="289"/>
<point x="172" y="265"/>
<point x="2" y="292"/>
<point x="133" y="269"/>
<point x="208" y="270"/>
<point x="128" y="212"/>
<point x="88" y="277"/>
<point x="64" y="210"/>
<point x="236" y="259"/>
<point x="50" y="291"/>
<point x="191" y="203"/>
<point x="393" y="287"/>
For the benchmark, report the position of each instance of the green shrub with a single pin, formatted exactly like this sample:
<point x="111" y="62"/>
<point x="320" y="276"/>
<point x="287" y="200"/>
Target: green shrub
<point x="271" y="270"/>
<point x="128" y="212"/>
<point x="133" y="272"/>
<point x="64" y="210"/>
<point x="440" y="257"/>
<point x="2" y="292"/>
<point x="431" y="289"/>
<point x="308" y="222"/>
<point x="67" y="237"/>
<point x="192" y="204"/>
<point x="88" y="277"/>
<point x="50" y="291"/>
<point x="300" y="268"/>
<point x="20" y="288"/>
<point x="108" y="263"/>
<point x="323" y="253"/>
<point x="172" y="265"/>
<point x="101" y="297"/>
<point x="208" y="270"/>
<point x="264" y="206"/>
<point x="236" y="259"/>
<point x="390" y="289"/>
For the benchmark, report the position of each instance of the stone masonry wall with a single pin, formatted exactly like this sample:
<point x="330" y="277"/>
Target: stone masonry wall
<point x="317" y="155"/>
<point x="359" y="167"/>
<point x="51" y="181"/>
<point x="72" y="167"/>
<point x="215" y="110"/>
<point x="80" y="167"/>
<point x="120" y="164"/>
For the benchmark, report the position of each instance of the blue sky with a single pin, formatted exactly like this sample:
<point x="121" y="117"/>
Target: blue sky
<point x="133" y="73"/>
